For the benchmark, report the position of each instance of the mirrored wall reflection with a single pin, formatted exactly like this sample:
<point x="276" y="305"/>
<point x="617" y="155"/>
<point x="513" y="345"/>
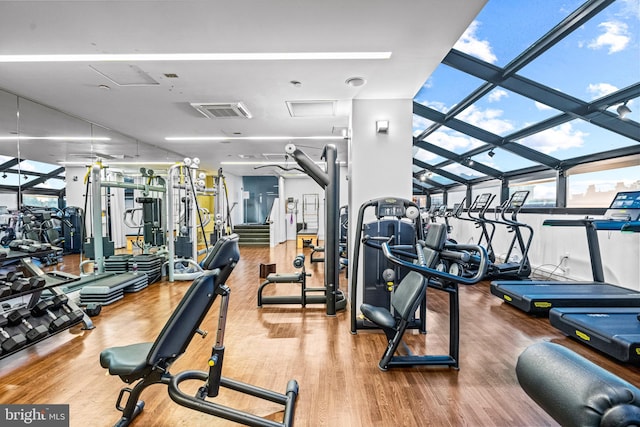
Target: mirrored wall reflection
<point x="38" y="143"/>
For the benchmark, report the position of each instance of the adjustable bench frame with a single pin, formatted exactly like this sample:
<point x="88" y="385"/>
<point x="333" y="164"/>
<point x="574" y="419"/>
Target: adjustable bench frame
<point x="149" y="363"/>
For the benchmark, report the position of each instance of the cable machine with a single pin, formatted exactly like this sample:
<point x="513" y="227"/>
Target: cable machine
<point x="182" y="188"/>
<point x="330" y="181"/>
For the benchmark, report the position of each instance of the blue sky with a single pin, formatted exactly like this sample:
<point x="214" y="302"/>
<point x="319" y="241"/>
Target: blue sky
<point x="600" y="57"/>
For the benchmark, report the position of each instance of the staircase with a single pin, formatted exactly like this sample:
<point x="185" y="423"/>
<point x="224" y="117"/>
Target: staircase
<point x="252" y="234"/>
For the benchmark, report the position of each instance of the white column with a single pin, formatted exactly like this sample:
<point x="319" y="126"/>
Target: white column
<point x="380" y="164"/>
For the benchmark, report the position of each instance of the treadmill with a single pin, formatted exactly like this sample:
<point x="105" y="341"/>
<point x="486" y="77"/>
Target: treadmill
<point x="538" y="297"/>
<point x="612" y="330"/>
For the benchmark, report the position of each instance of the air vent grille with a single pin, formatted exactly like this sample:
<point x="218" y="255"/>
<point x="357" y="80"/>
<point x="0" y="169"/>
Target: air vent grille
<point x="226" y="110"/>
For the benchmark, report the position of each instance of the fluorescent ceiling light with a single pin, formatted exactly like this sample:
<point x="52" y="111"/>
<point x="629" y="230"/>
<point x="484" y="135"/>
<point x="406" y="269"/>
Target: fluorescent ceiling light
<point x="151" y="163"/>
<point x="55" y="138"/>
<point x="257" y="163"/>
<point x="247" y="138"/>
<point x="255" y="56"/>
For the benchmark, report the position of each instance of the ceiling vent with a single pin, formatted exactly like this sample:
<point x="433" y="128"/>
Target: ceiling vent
<point x="312" y="108"/>
<point x="223" y="110"/>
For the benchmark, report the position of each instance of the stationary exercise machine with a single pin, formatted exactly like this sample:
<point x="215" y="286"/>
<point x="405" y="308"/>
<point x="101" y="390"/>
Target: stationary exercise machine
<point x="148" y="363"/>
<point x="614" y="331"/>
<point x="517" y="269"/>
<point x="151" y="222"/>
<point x="410" y="292"/>
<point x="222" y="211"/>
<point x="330" y="181"/>
<point x="182" y="189"/>
<point x="394" y="217"/>
<point x="299" y="277"/>
<point x="538" y="297"/>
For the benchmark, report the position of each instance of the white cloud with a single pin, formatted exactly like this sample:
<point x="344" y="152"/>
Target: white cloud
<point x="457" y="143"/>
<point x="469" y="43"/>
<point x="424" y="155"/>
<point x="27" y="166"/>
<point x="497" y="94"/>
<point x="630" y="9"/>
<point x="559" y="138"/>
<point x="420" y="124"/>
<point x="436" y="105"/>
<point x="615" y="37"/>
<point x="540" y="106"/>
<point x="488" y="119"/>
<point x="598" y="90"/>
<point x="461" y="170"/>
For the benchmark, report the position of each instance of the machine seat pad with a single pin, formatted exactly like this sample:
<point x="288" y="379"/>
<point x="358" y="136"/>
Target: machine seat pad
<point x="317" y="248"/>
<point x="127" y="360"/>
<point x="284" y="277"/>
<point x="378" y="315"/>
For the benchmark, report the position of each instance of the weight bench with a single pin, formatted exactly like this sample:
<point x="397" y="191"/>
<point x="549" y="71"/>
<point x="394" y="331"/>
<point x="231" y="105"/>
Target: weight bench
<point x="316" y="250"/>
<point x="297" y="277"/>
<point x="148" y="363"/>
<point x="575" y="391"/>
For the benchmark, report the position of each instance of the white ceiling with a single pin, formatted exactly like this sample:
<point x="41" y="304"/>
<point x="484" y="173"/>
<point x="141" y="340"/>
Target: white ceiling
<point x="418" y="33"/>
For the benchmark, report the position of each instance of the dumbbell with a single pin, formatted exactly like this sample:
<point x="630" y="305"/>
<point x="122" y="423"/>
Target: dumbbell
<point x="5" y="290"/>
<point x="14" y="275"/>
<point x="57" y="322"/>
<point x="92" y="309"/>
<point x="20" y="285"/>
<point x="10" y="342"/>
<point x="60" y="301"/>
<point x="35" y="333"/>
<point x="37" y="282"/>
<point x="15" y="243"/>
<point x="19" y="317"/>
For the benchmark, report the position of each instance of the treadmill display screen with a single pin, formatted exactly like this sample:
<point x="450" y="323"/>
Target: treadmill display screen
<point x="483" y="199"/>
<point x="626" y="200"/>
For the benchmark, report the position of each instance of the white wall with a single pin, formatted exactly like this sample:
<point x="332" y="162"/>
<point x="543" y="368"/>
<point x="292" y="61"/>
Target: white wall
<point x="620" y="251"/>
<point x="234" y="187"/>
<point x="296" y="187"/>
<point x="380" y="164"/>
<point x="10" y="200"/>
<point x="75" y="187"/>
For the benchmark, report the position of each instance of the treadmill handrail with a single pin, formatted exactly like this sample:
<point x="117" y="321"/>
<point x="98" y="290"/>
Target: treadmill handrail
<point x="430" y="272"/>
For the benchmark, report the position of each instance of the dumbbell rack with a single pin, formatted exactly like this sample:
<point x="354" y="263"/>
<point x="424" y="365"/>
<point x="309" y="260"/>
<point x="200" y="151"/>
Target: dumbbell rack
<point x="53" y="280"/>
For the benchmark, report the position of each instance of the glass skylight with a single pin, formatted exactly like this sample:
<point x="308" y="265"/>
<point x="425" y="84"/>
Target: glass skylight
<point x="503" y="29"/>
<point x="575" y="138"/>
<point x="463" y="171"/>
<point x="438" y="92"/>
<point x="503" y="160"/>
<point x="453" y="141"/>
<point x="502" y="112"/>
<point x="595" y="60"/>
<point x="598" y="58"/>
<point x="33" y="166"/>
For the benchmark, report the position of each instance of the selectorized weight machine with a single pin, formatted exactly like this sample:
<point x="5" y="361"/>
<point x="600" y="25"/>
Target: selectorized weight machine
<point x="400" y="220"/>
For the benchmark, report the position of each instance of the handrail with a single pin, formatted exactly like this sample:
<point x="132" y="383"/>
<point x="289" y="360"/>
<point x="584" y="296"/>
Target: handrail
<point x="430" y="272"/>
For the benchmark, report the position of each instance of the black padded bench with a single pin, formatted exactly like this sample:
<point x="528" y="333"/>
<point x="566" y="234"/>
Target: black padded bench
<point x="148" y="363"/>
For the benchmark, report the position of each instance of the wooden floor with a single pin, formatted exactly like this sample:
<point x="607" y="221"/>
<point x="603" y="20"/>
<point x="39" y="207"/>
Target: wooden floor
<point x="340" y="383"/>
